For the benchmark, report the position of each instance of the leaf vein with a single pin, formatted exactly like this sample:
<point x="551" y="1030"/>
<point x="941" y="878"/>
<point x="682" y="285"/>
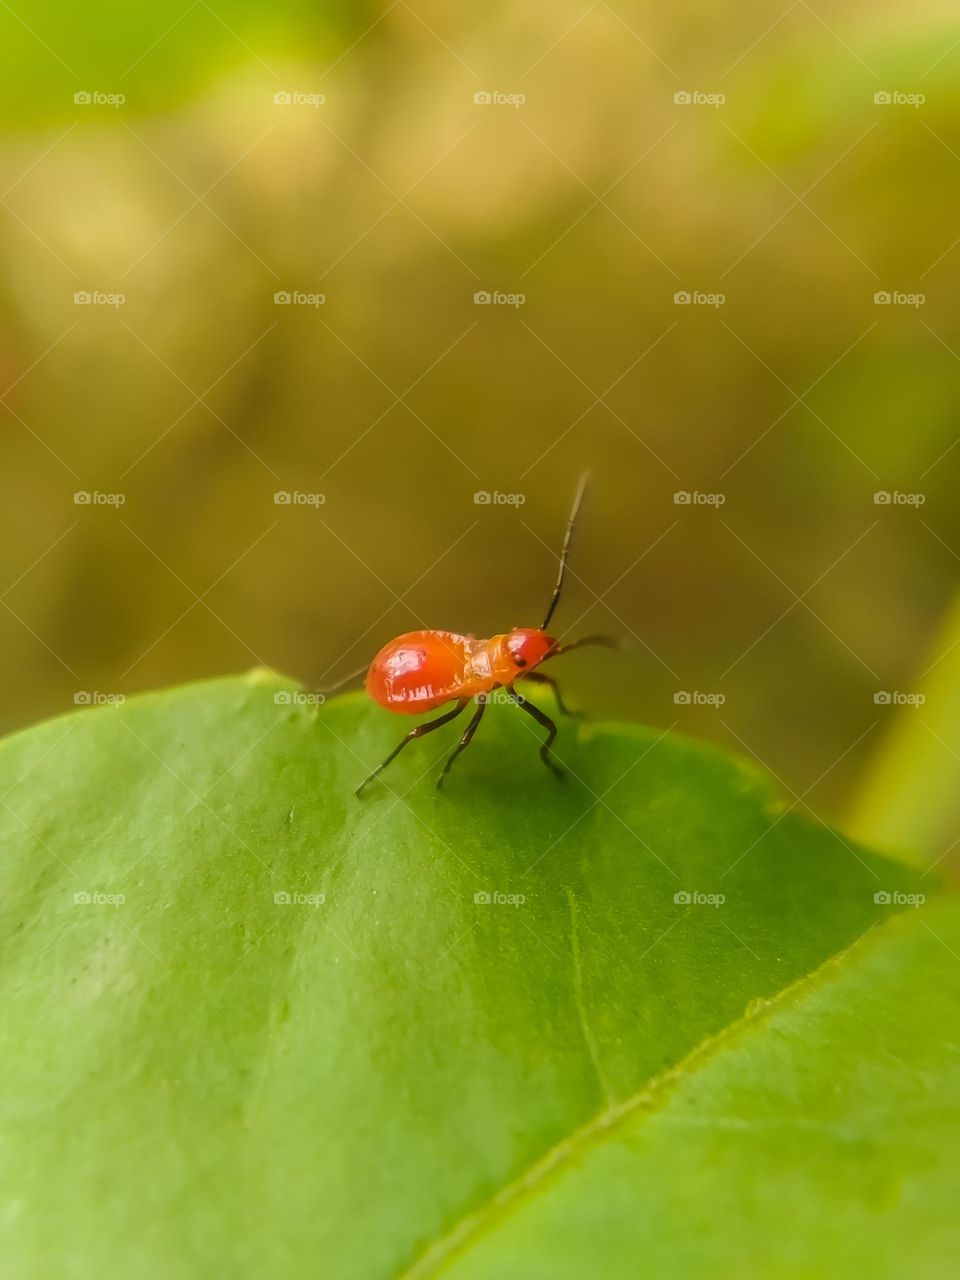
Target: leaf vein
<point x="656" y="1090"/>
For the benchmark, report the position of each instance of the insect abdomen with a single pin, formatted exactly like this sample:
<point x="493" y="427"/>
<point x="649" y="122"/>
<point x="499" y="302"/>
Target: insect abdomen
<point x="417" y="671"/>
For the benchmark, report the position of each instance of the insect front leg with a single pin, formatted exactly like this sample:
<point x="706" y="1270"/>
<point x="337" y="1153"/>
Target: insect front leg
<point x="541" y="719"/>
<point x="418" y="732"/>
<point x="538" y="677"/>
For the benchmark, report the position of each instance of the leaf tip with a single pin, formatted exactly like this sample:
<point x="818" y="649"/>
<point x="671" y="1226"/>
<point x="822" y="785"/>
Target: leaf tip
<point x="261" y="675"/>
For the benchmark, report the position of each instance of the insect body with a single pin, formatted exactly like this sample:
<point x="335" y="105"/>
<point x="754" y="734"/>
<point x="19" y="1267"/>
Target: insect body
<point x="424" y="670"/>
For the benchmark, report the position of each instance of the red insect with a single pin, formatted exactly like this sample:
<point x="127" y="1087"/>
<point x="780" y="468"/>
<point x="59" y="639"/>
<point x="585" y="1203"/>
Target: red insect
<point x="423" y="670"/>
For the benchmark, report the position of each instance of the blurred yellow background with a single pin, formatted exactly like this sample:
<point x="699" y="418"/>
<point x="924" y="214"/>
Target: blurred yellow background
<point x="682" y="217"/>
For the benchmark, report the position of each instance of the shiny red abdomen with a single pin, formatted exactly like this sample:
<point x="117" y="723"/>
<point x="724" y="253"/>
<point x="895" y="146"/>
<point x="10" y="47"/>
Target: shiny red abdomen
<point x="419" y="671"/>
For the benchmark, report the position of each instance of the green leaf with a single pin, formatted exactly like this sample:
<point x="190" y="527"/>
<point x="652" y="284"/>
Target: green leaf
<point x="397" y="1066"/>
<point x="818" y="1139"/>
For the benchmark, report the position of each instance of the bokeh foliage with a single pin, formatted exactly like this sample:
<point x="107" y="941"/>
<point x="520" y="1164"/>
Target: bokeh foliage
<point x="798" y="198"/>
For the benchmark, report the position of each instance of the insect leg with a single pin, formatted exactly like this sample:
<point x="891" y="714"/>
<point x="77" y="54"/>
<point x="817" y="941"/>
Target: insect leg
<point x="418" y="732"/>
<point x="547" y="724"/>
<point x="608" y="642"/>
<point x="342" y="682"/>
<point x="465" y="741"/>
<point x="539" y="678"/>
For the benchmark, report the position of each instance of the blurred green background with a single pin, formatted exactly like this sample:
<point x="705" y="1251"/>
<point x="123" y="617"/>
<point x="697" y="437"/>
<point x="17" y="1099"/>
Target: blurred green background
<point x="784" y="185"/>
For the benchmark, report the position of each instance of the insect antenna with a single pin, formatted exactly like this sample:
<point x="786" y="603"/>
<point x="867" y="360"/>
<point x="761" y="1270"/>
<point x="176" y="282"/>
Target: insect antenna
<point x="565" y="549"/>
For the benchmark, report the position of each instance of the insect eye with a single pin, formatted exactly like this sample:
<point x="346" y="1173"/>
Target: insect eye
<point x="520" y="662"/>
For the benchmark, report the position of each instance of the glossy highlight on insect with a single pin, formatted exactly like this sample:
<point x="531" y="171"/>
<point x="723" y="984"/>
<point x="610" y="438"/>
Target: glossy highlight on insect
<point x="423" y="670"/>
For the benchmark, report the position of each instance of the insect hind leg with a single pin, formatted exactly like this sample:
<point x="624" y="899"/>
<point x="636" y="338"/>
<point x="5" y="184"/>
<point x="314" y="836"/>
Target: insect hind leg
<point x="342" y="684"/>
<point x="417" y="732"/>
